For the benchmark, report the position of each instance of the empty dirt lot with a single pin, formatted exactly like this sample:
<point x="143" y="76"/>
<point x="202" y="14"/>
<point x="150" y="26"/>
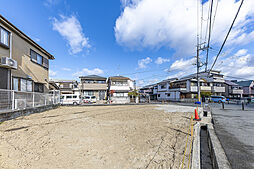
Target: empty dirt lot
<point x="117" y="137"/>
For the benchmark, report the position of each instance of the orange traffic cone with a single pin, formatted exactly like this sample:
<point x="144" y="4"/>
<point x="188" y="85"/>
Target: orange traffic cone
<point x="196" y="116"/>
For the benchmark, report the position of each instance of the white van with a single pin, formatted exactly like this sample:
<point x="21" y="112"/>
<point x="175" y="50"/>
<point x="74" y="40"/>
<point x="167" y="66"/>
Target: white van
<point x="74" y="99"/>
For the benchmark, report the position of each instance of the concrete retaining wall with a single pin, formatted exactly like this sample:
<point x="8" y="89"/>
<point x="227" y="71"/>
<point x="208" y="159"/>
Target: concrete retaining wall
<point x="17" y="113"/>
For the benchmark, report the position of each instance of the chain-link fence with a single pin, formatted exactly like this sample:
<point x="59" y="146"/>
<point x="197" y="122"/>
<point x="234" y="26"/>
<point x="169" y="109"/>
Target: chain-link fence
<point x="17" y="100"/>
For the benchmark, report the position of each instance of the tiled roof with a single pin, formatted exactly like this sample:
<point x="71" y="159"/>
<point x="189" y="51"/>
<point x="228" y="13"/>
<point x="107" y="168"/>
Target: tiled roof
<point x="246" y="83"/>
<point x="93" y="77"/>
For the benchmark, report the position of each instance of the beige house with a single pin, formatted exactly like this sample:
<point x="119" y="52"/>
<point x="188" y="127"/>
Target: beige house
<point x="93" y="85"/>
<point x="65" y="86"/>
<point x="24" y="65"/>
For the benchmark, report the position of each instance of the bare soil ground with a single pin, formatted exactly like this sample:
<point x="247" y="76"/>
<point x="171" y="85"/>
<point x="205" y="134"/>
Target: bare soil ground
<point x="117" y="137"/>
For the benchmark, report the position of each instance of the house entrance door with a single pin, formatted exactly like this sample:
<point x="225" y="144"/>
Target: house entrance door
<point x="101" y="95"/>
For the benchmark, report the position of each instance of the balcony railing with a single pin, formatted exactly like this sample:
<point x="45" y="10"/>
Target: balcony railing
<point x="218" y="89"/>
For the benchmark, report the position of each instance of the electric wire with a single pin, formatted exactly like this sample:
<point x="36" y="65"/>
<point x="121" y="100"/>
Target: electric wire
<point x="209" y="35"/>
<point x="226" y="36"/>
<point x="215" y="13"/>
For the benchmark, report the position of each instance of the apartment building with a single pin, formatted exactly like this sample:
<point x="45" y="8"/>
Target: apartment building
<point x="248" y="87"/>
<point x="24" y="65"/>
<point x="118" y="89"/>
<point x="93" y="85"/>
<point x="65" y="86"/>
<point x="232" y="90"/>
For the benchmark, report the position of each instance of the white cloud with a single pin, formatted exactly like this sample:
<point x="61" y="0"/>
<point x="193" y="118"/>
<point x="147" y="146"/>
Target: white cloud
<point x="143" y="62"/>
<point x="66" y="69"/>
<point x="161" y="60"/>
<point x="52" y="73"/>
<point x="239" y="65"/>
<point x="157" y="23"/>
<point x="182" y="64"/>
<point x="241" y="52"/>
<point x="85" y="71"/>
<point x="71" y="30"/>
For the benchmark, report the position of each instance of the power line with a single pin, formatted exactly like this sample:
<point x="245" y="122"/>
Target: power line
<point x="208" y="17"/>
<point x="201" y="27"/>
<point x="226" y="36"/>
<point x="215" y="13"/>
<point x="209" y="36"/>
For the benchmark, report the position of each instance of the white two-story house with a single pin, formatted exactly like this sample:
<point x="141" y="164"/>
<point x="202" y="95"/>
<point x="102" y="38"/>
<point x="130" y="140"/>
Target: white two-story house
<point x="118" y="89"/>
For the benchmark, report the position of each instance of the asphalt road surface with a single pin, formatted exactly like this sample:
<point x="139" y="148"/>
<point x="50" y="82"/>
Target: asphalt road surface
<point x="235" y="129"/>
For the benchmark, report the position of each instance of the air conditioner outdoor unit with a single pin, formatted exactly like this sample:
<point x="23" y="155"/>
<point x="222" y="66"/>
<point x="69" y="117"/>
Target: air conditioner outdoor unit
<point x="8" y="63"/>
<point x="20" y="104"/>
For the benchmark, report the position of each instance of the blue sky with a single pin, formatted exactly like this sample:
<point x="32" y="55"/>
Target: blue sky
<point x="121" y="37"/>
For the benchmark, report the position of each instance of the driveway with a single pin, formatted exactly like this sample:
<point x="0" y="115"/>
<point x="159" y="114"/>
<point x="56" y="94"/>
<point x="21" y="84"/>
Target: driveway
<point x="235" y="129"/>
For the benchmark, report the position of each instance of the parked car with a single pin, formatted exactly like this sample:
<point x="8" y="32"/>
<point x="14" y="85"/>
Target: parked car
<point x="89" y="99"/>
<point x="218" y="99"/>
<point x="252" y="100"/>
<point x="74" y="99"/>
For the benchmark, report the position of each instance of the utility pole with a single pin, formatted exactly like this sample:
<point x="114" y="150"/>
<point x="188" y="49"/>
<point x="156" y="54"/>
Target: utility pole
<point x="198" y="78"/>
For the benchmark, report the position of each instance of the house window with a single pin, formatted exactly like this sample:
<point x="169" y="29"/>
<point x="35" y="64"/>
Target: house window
<point x="89" y="93"/>
<point x="15" y="84"/>
<point x="38" y="87"/>
<point x="29" y="85"/>
<point x="119" y="94"/>
<point x="23" y="85"/>
<point x="39" y="59"/>
<point x="159" y="95"/>
<point x="168" y="94"/>
<point x="4" y="36"/>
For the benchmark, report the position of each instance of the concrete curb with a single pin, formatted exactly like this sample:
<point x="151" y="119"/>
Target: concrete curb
<point x="195" y="164"/>
<point x="218" y="156"/>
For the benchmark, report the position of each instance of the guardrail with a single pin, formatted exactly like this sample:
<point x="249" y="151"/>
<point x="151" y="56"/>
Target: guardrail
<point x="11" y="100"/>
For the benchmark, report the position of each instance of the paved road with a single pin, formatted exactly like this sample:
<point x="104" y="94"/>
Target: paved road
<point x="235" y="129"/>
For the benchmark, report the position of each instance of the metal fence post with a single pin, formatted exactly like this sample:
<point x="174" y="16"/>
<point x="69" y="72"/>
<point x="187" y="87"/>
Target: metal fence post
<point x="13" y="100"/>
<point x="33" y="99"/>
<point x="45" y="99"/>
<point x="54" y="97"/>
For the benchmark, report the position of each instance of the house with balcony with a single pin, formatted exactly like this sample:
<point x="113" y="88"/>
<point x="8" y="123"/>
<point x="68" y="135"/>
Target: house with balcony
<point x="165" y="91"/>
<point x="148" y="92"/>
<point x="66" y="86"/>
<point x="24" y="65"/>
<point x="93" y="85"/>
<point x="233" y="90"/>
<point x="248" y="87"/>
<point x="186" y="87"/>
<point x="118" y="89"/>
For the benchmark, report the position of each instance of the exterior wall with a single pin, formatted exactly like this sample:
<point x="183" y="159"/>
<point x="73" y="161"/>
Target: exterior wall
<point x="174" y="95"/>
<point x="20" y="49"/>
<point x="21" y="53"/>
<point x="94" y="86"/>
<point x="120" y="89"/>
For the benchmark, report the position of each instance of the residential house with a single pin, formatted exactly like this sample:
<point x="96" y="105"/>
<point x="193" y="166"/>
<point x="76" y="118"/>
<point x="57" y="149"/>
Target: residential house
<point x="118" y="89"/>
<point x="233" y="90"/>
<point x="248" y="88"/>
<point x="93" y="85"/>
<point x="186" y="87"/>
<point x="24" y="65"/>
<point x="149" y="90"/>
<point x="165" y="92"/>
<point x="66" y="86"/>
